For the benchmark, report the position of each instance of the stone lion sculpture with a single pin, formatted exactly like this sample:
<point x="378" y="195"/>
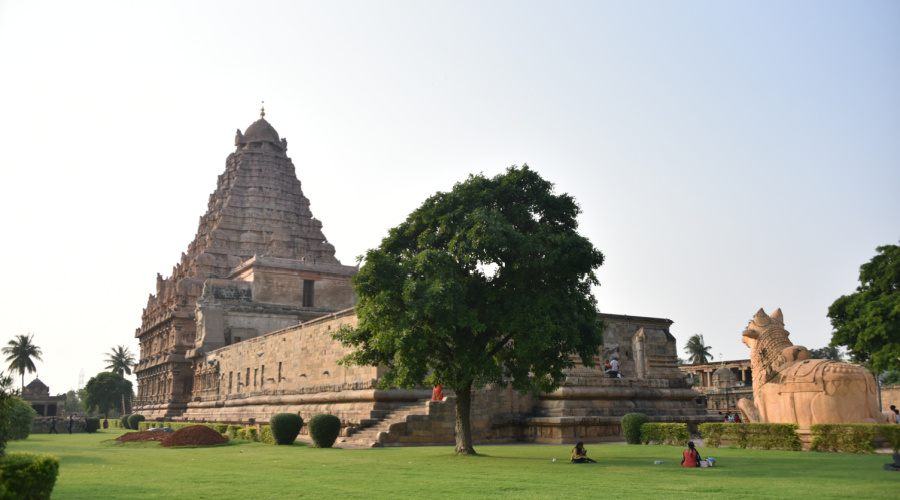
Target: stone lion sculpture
<point x="788" y="387"/>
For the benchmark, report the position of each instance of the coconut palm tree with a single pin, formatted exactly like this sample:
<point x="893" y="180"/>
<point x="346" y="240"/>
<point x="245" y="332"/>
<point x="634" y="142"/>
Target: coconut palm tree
<point x="120" y="360"/>
<point x="19" y="352"/>
<point x="697" y="350"/>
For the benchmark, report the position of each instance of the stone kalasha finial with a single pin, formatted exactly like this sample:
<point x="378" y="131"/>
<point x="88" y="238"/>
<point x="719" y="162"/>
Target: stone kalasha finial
<point x="262" y="110"/>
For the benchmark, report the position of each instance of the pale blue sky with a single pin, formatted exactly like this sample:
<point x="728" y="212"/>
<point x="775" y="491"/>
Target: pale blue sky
<point x="727" y="155"/>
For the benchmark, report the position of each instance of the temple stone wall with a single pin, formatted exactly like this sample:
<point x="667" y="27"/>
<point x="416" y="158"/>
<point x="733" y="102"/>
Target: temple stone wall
<point x="294" y="370"/>
<point x="890" y="395"/>
<point x="299" y="358"/>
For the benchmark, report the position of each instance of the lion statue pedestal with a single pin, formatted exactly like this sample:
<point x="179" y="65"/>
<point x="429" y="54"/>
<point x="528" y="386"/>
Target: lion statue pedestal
<point x="788" y="387"/>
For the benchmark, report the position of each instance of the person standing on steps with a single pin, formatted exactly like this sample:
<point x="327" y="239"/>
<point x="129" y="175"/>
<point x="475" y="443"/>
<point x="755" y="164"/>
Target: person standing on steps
<point x="614" y="368"/>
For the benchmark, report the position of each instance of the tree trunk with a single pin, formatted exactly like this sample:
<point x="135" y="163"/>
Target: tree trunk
<point x="463" y="424"/>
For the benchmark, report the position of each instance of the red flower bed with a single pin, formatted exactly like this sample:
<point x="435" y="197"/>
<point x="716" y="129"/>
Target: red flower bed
<point x="139" y="437"/>
<point x="195" y="435"/>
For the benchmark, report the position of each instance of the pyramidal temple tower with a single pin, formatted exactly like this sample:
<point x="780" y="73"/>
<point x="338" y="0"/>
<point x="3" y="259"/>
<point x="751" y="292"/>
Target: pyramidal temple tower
<point x="258" y="263"/>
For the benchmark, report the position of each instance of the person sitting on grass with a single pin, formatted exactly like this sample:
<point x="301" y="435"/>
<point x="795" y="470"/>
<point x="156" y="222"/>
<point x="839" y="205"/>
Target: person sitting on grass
<point x="579" y="455"/>
<point x="691" y="456"/>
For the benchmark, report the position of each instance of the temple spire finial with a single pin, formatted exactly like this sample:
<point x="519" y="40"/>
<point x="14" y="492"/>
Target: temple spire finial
<point x="262" y="110"/>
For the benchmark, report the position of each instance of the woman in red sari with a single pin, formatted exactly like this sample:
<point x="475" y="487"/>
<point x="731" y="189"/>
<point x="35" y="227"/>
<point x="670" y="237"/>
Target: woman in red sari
<point x="691" y="456"/>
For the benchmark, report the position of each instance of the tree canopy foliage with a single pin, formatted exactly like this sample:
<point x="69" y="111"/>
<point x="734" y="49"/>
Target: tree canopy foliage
<point x="697" y="350"/>
<point x="19" y="353"/>
<point x="75" y="401"/>
<point x="8" y="398"/>
<point x="120" y="360"/>
<point x="891" y="377"/>
<point x="868" y="322"/>
<point x="827" y="352"/>
<point x="103" y="393"/>
<point x="487" y="283"/>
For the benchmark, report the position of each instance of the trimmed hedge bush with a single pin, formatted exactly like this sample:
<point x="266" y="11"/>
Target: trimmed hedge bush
<point x="135" y="420"/>
<point x="850" y="438"/>
<point x="712" y="433"/>
<point x="232" y="431"/>
<point x="890" y="432"/>
<point x="853" y="438"/>
<point x="752" y="435"/>
<point x="91" y="424"/>
<point x="26" y="475"/>
<point x="285" y="427"/>
<point x="631" y="427"/>
<point x="21" y="419"/>
<point x="324" y="430"/>
<point x="265" y="435"/>
<point x="670" y="434"/>
<point x="124" y="421"/>
<point x="252" y="434"/>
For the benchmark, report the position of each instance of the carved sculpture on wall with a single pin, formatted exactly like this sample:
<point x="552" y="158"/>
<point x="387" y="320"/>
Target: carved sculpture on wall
<point x="788" y="387"/>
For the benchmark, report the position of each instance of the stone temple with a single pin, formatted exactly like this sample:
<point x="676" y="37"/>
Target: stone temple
<point x="241" y="330"/>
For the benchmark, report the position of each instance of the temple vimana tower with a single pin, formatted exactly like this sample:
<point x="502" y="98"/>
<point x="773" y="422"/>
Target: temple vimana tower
<point x="258" y="263"/>
<point x="241" y="330"/>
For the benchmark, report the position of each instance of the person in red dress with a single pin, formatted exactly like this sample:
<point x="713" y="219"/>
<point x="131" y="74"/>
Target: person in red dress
<point x="691" y="456"/>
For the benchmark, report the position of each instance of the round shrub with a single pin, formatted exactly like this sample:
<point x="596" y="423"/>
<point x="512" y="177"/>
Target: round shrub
<point x="265" y="435"/>
<point x="631" y="427"/>
<point x="134" y="421"/>
<point x="21" y="419"/>
<point x="91" y="424"/>
<point x="26" y="475"/>
<point x="324" y="430"/>
<point x="125" y="421"/>
<point x="232" y="431"/>
<point x="285" y="427"/>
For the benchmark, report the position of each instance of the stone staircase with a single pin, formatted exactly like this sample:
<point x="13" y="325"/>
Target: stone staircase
<point x="366" y="435"/>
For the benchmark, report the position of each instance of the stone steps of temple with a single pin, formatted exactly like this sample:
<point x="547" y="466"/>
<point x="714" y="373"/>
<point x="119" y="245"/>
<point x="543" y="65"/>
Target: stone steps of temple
<point x="367" y="434"/>
<point x="618" y="412"/>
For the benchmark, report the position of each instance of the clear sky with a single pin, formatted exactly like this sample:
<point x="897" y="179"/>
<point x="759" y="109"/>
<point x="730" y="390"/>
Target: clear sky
<point x="727" y="155"/>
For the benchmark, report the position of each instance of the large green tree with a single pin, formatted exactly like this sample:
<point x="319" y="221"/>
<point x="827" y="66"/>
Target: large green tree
<point x="868" y="322"/>
<point x="120" y="360"/>
<point x="487" y="283"/>
<point x="697" y="350"/>
<point x="19" y="353"/>
<point x="103" y="393"/>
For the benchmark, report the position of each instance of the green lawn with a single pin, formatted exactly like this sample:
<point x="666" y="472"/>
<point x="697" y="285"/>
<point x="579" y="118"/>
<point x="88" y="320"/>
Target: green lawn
<point x="92" y="467"/>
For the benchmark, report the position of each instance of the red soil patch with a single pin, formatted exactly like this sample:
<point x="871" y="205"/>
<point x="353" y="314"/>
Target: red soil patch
<point x="140" y="437"/>
<point x="195" y="435"/>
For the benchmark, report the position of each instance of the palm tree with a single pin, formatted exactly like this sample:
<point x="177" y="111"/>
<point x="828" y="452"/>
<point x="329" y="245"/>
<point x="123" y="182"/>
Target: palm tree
<point x="697" y="350"/>
<point x="120" y="360"/>
<point x="19" y="352"/>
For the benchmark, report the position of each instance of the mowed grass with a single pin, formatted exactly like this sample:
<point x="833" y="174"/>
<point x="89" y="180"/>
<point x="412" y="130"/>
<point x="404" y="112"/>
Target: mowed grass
<point x="93" y="467"/>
